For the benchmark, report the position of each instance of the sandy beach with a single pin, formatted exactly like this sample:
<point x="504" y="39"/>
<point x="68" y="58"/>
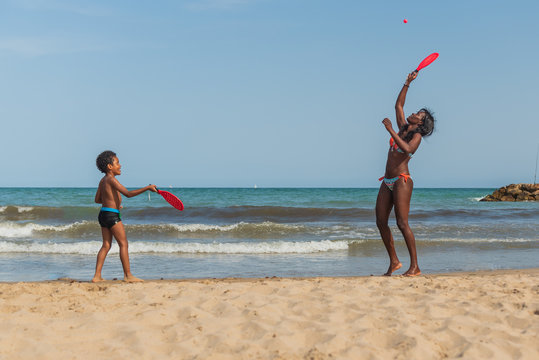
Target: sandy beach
<point x="492" y="314"/>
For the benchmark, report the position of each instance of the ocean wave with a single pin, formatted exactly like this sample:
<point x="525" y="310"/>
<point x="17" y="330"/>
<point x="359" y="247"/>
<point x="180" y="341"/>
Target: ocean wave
<point x="22" y="213"/>
<point x="468" y="214"/>
<point x="480" y="241"/>
<point x="17" y="209"/>
<point x="141" y="247"/>
<point x="241" y="230"/>
<point x="238" y="230"/>
<point x="245" y="213"/>
<point x="259" y="247"/>
<point x="264" y="227"/>
<point x="263" y="230"/>
<point x="16" y="230"/>
<point x="447" y="243"/>
<point x="255" y="214"/>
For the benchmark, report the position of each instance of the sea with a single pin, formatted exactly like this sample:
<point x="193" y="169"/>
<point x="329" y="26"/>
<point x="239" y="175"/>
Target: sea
<point x="53" y="233"/>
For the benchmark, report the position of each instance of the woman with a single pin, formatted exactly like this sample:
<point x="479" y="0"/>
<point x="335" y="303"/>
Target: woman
<point x="397" y="185"/>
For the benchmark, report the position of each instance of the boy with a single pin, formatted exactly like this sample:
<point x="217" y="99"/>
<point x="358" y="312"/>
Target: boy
<point x="108" y="195"/>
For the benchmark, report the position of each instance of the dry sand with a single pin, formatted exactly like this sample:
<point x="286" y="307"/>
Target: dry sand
<point x="480" y="315"/>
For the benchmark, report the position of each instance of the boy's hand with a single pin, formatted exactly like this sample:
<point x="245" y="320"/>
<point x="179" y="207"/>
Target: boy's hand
<point x="152" y="187"/>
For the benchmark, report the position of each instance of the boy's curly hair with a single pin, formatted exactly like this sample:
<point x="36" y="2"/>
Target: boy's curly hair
<point x="104" y="159"/>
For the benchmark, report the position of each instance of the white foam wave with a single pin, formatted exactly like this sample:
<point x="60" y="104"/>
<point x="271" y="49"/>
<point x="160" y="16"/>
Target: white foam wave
<point x="15" y="230"/>
<point x="203" y="227"/>
<point x="18" y="230"/>
<point x="83" y="248"/>
<point x="265" y="226"/>
<point x="20" y="209"/>
<point x="275" y="247"/>
<point x="91" y="247"/>
<point x="279" y="247"/>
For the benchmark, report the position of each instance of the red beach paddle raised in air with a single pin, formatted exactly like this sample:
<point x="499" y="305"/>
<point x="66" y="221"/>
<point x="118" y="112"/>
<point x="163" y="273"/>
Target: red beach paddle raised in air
<point x="427" y="61"/>
<point x="171" y="199"/>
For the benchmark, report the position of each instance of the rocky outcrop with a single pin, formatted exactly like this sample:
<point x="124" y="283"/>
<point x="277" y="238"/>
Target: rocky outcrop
<point x="515" y="192"/>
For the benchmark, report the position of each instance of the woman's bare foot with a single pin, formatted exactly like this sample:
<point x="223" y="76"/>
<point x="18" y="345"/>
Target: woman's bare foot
<point x="412" y="271"/>
<point x="132" y="278"/>
<point x="393" y="267"/>
<point x="97" y="279"/>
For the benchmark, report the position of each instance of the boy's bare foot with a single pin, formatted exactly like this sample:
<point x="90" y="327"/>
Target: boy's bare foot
<point x="132" y="278"/>
<point x="97" y="279"/>
<point x="393" y="267"/>
<point x="412" y="272"/>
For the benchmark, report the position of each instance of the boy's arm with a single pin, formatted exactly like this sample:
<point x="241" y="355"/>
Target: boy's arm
<point x="130" y="193"/>
<point x="98" y="195"/>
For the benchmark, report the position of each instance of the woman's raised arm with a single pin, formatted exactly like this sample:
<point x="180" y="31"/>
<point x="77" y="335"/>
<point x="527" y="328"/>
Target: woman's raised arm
<point x="399" y="105"/>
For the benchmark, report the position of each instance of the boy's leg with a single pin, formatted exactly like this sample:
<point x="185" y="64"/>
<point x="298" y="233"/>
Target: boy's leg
<point x="118" y="231"/>
<point x="102" y="254"/>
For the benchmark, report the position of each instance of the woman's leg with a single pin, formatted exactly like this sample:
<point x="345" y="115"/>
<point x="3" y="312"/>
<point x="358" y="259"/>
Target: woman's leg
<point x="384" y="204"/>
<point x="118" y="231"/>
<point x="402" y="194"/>
<point x="102" y="254"/>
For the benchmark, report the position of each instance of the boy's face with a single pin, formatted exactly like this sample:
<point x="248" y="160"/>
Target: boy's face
<point x="115" y="167"/>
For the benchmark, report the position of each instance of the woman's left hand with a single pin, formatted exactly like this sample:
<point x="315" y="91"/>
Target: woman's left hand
<point x="387" y="124"/>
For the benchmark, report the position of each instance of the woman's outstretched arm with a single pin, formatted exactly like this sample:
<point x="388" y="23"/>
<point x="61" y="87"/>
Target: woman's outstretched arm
<point x="399" y="105"/>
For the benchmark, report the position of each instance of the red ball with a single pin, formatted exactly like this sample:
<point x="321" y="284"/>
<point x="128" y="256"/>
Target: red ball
<point x="405" y="21"/>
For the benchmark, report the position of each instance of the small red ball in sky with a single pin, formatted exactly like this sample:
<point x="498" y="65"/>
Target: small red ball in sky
<point x="405" y="21"/>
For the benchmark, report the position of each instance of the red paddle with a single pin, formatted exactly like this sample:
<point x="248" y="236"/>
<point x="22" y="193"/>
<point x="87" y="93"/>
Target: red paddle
<point x="171" y="199"/>
<point x="427" y="61"/>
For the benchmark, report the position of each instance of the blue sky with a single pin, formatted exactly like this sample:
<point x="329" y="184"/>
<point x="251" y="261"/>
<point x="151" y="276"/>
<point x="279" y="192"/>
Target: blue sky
<point x="201" y="93"/>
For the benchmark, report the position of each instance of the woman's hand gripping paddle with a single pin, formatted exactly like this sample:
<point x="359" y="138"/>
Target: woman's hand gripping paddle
<point x="426" y="62"/>
<point x="171" y="199"/>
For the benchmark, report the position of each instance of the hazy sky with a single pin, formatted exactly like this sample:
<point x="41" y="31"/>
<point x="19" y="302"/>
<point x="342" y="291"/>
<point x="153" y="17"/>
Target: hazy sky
<point x="270" y="92"/>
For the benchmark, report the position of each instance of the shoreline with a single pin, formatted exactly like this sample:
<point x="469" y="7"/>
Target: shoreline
<point x="478" y="314"/>
<point x="250" y="279"/>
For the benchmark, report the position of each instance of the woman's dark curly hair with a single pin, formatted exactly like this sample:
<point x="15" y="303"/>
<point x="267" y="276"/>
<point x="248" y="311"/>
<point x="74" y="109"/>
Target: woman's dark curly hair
<point x="104" y="159"/>
<point x="426" y="128"/>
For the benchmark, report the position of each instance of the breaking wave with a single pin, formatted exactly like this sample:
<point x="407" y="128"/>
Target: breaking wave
<point x="91" y="247"/>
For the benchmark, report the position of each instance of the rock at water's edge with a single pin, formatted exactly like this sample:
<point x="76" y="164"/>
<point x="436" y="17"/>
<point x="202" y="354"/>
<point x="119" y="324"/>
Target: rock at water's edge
<point x="515" y="192"/>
